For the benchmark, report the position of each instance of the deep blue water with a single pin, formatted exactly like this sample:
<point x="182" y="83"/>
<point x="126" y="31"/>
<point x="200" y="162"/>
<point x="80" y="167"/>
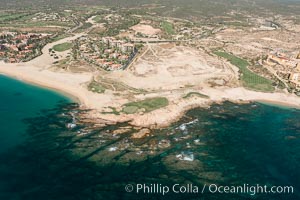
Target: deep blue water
<point x="231" y="145"/>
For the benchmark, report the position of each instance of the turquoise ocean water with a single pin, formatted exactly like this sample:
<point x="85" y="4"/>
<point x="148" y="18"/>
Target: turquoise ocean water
<point x="41" y="157"/>
<point x="19" y="101"/>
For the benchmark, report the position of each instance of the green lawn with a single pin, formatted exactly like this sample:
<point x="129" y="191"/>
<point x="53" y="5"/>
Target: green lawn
<point x="83" y="27"/>
<point x="168" y="27"/>
<point x="249" y="79"/>
<point x="62" y="47"/>
<point x="98" y="19"/>
<point x="190" y="94"/>
<point x="12" y="16"/>
<point x="96" y="87"/>
<point x="113" y="111"/>
<point x="30" y="24"/>
<point x="147" y="105"/>
<point x="60" y="37"/>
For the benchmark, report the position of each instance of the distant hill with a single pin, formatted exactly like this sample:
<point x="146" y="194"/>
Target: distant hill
<point x="179" y="8"/>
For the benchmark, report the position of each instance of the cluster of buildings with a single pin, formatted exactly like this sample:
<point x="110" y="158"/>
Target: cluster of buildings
<point x="122" y="45"/>
<point x="17" y="47"/>
<point x="268" y="26"/>
<point x="184" y="33"/>
<point x="290" y="66"/>
<point x="40" y="16"/>
<point x="282" y="59"/>
<point x="108" y="53"/>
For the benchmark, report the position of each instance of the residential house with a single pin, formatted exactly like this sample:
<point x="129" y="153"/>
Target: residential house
<point x="127" y="47"/>
<point x="2" y="47"/>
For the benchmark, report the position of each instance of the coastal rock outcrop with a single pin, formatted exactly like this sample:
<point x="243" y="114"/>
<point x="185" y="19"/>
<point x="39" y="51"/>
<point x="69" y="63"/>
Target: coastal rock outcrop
<point x="142" y="133"/>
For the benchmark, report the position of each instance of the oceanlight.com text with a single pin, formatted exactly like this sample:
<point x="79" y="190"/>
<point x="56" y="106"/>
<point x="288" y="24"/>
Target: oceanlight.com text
<point x="207" y="188"/>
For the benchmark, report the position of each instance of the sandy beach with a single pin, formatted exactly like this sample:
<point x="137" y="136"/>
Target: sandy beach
<point x="75" y="84"/>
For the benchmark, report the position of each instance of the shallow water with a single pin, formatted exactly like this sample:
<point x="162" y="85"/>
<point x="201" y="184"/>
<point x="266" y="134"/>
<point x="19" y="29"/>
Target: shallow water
<point x="227" y="144"/>
<point x="19" y="101"/>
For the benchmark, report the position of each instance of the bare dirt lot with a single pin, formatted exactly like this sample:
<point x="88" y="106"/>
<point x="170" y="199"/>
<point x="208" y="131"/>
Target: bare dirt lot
<point x="252" y="44"/>
<point x="145" y="29"/>
<point x="173" y="67"/>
